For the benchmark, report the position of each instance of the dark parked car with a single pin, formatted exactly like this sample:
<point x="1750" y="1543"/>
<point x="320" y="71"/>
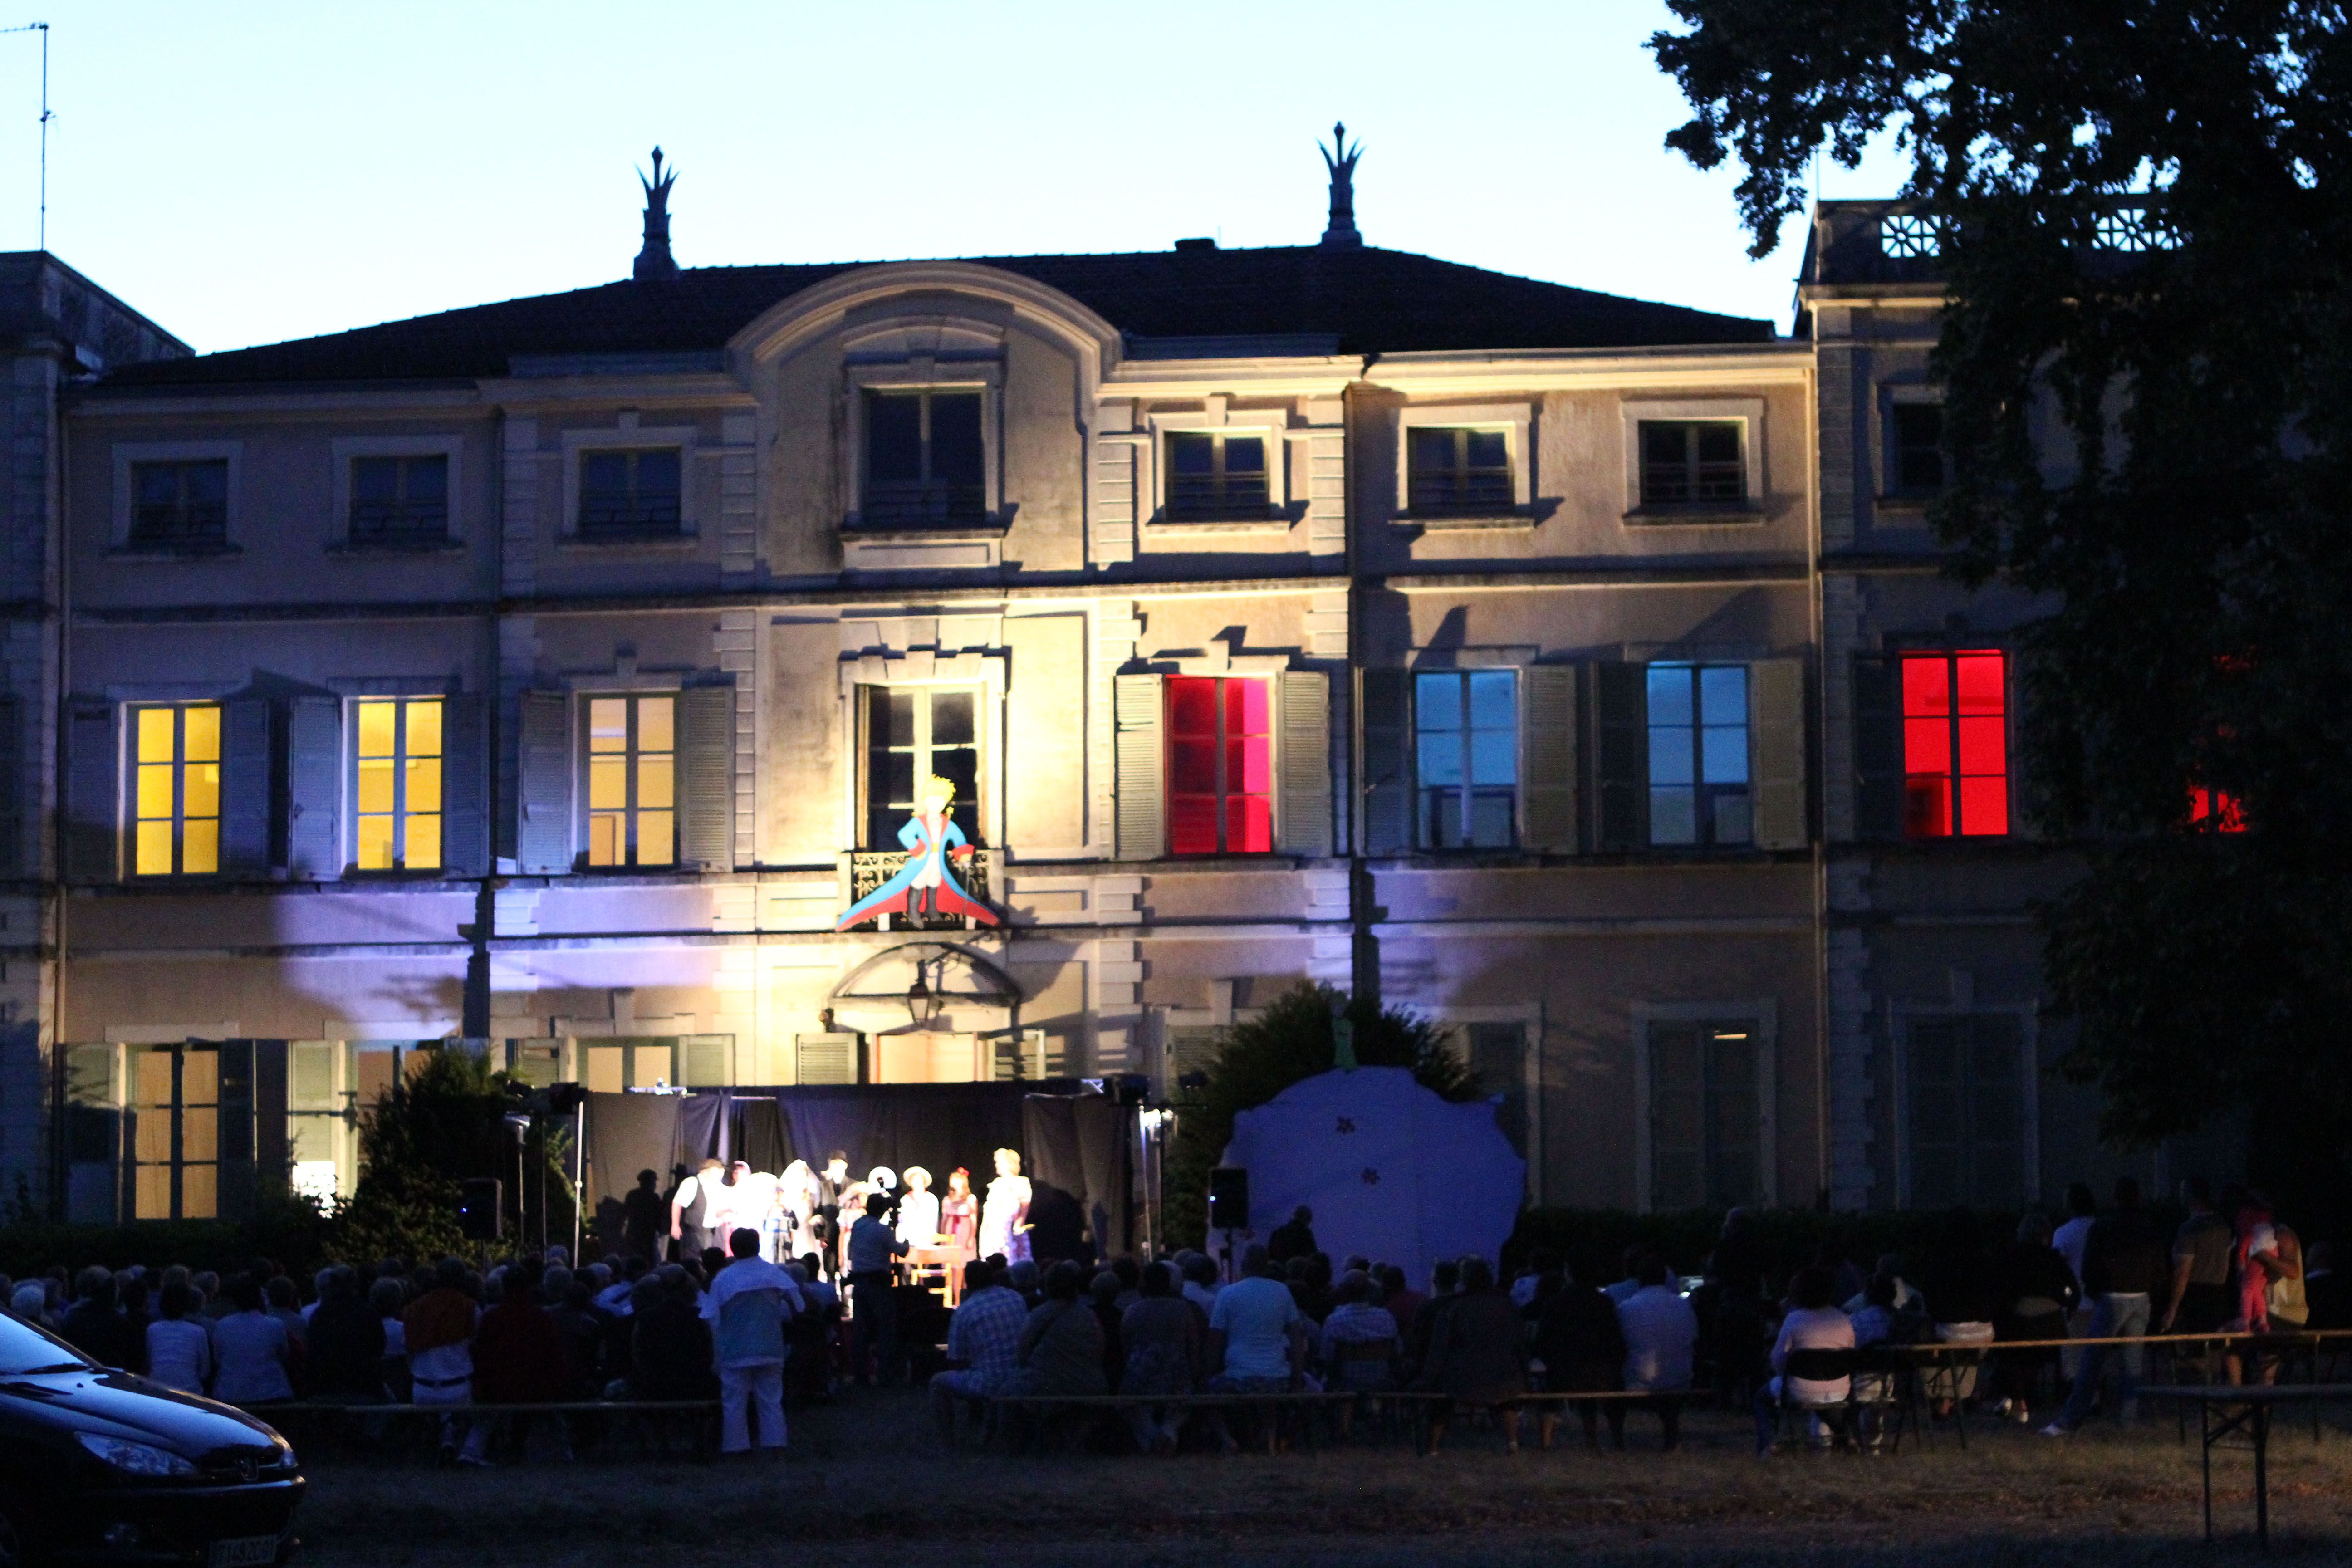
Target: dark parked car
<point x="99" y="1466"/>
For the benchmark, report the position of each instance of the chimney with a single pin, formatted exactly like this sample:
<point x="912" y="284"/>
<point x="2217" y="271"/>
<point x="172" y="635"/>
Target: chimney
<point x="654" y="261"/>
<point x="1340" y="158"/>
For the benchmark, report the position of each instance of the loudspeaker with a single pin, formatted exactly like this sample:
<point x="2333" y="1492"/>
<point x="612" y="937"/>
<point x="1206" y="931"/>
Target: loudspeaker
<point x="1229" y="1198"/>
<point x="480" y="1213"/>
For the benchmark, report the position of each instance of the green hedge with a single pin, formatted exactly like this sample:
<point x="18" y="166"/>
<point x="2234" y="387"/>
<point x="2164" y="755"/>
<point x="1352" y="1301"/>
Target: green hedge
<point x="1790" y="1236"/>
<point x="291" y="1240"/>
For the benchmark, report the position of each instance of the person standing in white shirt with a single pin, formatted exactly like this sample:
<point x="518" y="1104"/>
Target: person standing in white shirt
<point x="2071" y="1240"/>
<point x="691" y="1207"/>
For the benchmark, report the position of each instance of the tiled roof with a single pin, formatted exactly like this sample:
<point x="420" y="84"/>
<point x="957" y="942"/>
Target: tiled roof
<point x="1369" y="301"/>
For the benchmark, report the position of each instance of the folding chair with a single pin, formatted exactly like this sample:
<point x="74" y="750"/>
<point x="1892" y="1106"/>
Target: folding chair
<point x="1885" y="1385"/>
<point x="1817" y="1366"/>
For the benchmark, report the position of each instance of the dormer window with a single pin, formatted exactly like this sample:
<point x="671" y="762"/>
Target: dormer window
<point x="925" y="458"/>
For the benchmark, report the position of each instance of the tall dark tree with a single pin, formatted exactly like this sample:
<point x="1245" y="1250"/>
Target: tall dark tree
<point x="2156" y="437"/>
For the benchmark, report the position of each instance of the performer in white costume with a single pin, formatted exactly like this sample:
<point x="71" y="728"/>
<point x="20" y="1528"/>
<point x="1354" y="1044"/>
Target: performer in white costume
<point x="1004" y="1216"/>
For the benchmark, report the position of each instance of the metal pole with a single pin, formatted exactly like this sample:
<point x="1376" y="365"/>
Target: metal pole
<point x="579" y="1171"/>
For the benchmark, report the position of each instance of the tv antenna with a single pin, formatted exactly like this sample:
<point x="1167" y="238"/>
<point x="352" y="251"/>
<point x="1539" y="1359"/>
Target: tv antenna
<point x="42" y="28"/>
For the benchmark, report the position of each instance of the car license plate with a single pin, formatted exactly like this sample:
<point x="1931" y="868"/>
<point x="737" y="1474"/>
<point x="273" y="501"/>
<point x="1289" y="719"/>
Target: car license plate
<point x="244" y="1551"/>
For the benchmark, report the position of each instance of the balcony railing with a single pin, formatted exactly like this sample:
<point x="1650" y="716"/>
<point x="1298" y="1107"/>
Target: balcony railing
<point x="870" y="868"/>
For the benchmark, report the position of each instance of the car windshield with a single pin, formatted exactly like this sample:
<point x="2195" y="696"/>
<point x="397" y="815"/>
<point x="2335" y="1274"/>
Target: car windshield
<point x="24" y="1349"/>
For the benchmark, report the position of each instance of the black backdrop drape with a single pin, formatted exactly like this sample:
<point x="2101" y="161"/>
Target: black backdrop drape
<point x="628" y="1133"/>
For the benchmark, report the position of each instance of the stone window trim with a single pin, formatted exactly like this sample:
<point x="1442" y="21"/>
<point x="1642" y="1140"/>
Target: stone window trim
<point x="1897" y="1020"/>
<point x="344" y="448"/>
<point x="626" y="436"/>
<point x="922" y="372"/>
<point x="1215" y="418"/>
<point x="1514" y="420"/>
<point x="988" y="673"/>
<point x="1894" y="504"/>
<point x="126" y="454"/>
<point x="1762" y="1013"/>
<point x="1747" y="412"/>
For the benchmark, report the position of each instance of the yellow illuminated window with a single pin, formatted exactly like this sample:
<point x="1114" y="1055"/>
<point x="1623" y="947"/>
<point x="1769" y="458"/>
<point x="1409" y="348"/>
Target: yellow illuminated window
<point x="397" y="798"/>
<point x="176" y="830"/>
<point x="632" y="797"/>
<point x="176" y="1138"/>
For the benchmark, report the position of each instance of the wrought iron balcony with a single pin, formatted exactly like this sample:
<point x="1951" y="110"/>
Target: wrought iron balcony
<point x="870" y="868"/>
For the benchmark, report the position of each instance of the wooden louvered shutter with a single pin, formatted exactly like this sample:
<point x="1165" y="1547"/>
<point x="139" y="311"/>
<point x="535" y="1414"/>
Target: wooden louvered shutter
<point x="12" y="819"/>
<point x="1305" y="762"/>
<point x="1678" y="1117"/>
<point x="1776" y="750"/>
<point x="1548" y="766"/>
<point x="707" y="778"/>
<point x="314" y="766"/>
<point x="825" y="1058"/>
<point x="245" y="791"/>
<point x="706" y="1061"/>
<point x="464" y="787"/>
<point x="1140" y="818"/>
<point x="1877" y="749"/>
<point x="93" y="794"/>
<point x="1621" y="762"/>
<point x="1387" y="761"/>
<point x="543" y="826"/>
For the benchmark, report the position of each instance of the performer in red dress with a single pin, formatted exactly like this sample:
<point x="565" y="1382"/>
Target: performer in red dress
<point x="959" y="1213"/>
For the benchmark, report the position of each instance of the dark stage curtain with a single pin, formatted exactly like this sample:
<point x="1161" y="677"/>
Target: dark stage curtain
<point x="1076" y="1158"/>
<point x="938" y="1126"/>
<point x="760" y="1134"/>
<point x="628" y="1133"/>
<point x="702" y="1126"/>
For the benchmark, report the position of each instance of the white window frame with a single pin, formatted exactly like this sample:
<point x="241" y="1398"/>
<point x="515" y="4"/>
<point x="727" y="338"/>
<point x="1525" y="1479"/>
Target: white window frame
<point x="985" y="673"/>
<point x="346" y="448"/>
<point x="1270" y="425"/>
<point x="126" y="453"/>
<point x="1762" y="1015"/>
<point x="1748" y="412"/>
<point x="1514" y="420"/>
<point x="923" y="374"/>
<point x="627" y="438"/>
<point x="350" y="783"/>
<point x="1900" y="507"/>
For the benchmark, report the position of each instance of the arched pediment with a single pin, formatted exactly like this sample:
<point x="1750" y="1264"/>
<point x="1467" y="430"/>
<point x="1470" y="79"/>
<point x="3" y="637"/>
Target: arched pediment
<point x="862" y="296"/>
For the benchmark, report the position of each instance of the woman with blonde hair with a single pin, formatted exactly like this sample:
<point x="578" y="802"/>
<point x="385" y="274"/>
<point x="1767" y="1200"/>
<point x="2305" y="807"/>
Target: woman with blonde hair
<point x="1005" y="1217"/>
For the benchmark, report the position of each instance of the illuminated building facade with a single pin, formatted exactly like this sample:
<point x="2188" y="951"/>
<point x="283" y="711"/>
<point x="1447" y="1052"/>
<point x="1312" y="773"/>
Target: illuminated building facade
<point x="555" y="674"/>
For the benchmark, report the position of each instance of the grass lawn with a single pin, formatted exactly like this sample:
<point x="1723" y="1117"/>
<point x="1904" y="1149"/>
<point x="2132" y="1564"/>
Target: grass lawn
<point x="866" y="1480"/>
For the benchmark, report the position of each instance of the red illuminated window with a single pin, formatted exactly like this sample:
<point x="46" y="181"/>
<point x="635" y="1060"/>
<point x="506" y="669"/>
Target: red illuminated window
<point x="2215" y="811"/>
<point x="1219" y="766"/>
<point x="1955" y="745"/>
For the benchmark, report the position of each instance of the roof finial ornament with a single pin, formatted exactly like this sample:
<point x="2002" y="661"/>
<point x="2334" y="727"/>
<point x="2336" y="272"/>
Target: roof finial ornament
<point x="655" y="259"/>
<point x="1340" y="158"/>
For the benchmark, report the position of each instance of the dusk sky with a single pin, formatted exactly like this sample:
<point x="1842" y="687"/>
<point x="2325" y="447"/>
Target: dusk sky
<point x="247" y="173"/>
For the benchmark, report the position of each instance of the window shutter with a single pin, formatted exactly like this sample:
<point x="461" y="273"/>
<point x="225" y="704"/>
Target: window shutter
<point x="707" y="778"/>
<point x="1932" y="1066"/>
<point x="825" y="1058"/>
<point x="465" y="806"/>
<point x="94" y="799"/>
<point x="1877" y="749"/>
<point x="314" y="753"/>
<point x="543" y="830"/>
<point x="1996" y="1092"/>
<point x="233" y="1124"/>
<point x="1621" y="705"/>
<point x="1777" y="746"/>
<point x="245" y="788"/>
<point x="1548" y="764"/>
<point x="12" y="820"/>
<point x="1305" y="762"/>
<point x="1387" y="761"/>
<point x="704" y="1060"/>
<point x="1678" y="1117"/>
<point x="1140" y="819"/>
<point x="311" y="1075"/>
